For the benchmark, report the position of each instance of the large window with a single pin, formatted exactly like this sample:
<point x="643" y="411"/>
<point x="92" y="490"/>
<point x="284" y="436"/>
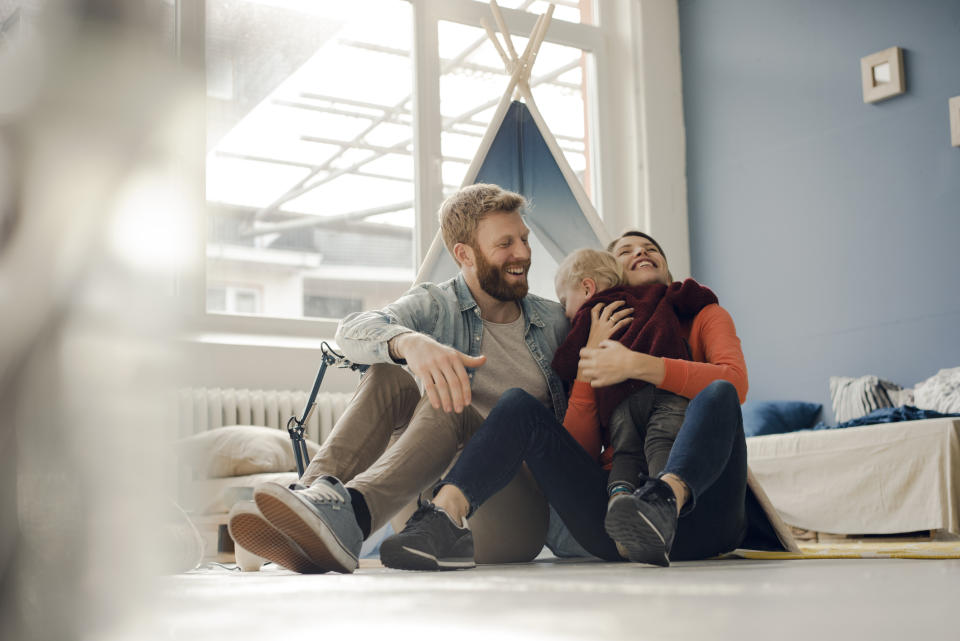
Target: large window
<point x="311" y="180"/>
<point x="309" y="172"/>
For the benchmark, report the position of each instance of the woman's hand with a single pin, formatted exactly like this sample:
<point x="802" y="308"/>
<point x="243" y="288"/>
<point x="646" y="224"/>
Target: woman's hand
<point x="607" y="320"/>
<point x="610" y="363"/>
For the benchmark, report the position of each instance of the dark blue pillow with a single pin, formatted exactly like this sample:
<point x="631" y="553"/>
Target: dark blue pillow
<point x="777" y="417"/>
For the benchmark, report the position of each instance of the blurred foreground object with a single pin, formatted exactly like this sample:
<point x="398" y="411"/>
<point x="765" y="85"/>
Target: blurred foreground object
<point x="97" y="233"/>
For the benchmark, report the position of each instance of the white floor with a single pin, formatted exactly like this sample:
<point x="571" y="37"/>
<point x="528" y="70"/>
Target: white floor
<point x="875" y="599"/>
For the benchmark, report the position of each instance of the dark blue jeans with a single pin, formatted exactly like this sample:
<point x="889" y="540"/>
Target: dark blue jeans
<point x="709" y="454"/>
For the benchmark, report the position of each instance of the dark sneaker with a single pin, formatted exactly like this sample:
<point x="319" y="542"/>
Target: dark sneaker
<point x="429" y="541"/>
<point x="253" y="533"/>
<point x="319" y="519"/>
<point x="644" y="523"/>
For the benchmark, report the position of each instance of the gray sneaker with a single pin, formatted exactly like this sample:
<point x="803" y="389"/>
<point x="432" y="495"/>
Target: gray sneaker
<point x="319" y="519"/>
<point x="253" y="533"/>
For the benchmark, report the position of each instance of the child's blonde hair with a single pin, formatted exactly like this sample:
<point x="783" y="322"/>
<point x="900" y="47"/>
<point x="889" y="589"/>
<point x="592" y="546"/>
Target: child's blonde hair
<point x="599" y="265"/>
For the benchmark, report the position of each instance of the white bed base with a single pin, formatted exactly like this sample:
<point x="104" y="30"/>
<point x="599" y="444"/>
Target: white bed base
<point x="876" y="479"/>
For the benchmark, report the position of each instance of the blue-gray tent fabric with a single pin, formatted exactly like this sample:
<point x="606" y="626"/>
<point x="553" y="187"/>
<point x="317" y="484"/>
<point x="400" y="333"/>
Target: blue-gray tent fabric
<point x="519" y="160"/>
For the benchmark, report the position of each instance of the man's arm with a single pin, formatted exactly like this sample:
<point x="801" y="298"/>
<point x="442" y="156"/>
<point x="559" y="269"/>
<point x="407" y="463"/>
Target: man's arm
<point x="364" y="336"/>
<point x="401" y="333"/>
<point x="442" y="369"/>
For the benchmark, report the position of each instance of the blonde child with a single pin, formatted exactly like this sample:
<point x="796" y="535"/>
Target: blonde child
<point x="639" y="421"/>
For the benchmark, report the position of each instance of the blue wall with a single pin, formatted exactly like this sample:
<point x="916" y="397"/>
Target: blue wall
<point x="830" y="228"/>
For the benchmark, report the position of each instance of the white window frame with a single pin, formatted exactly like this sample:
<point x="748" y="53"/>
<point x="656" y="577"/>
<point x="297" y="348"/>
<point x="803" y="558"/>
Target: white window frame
<point x="617" y="194"/>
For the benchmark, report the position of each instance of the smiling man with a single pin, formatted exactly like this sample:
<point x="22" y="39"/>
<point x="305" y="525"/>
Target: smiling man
<point x="467" y="340"/>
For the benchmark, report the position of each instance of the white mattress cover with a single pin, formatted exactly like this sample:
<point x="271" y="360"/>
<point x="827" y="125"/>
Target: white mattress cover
<point x="874" y="479"/>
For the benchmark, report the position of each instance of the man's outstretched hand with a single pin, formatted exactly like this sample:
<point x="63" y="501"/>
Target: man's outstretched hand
<point x="442" y="369"/>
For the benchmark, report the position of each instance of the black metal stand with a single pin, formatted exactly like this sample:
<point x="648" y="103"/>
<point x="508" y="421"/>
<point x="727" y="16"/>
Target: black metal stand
<point x="296" y="426"/>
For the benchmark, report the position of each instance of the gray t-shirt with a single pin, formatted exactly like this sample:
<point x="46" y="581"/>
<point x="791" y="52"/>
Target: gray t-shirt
<point x="509" y="364"/>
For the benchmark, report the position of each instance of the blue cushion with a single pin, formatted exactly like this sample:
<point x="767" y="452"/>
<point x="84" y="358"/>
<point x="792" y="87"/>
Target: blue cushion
<point x="777" y="417"/>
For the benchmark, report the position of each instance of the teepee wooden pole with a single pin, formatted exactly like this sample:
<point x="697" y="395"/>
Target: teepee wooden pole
<point x="537" y="37"/>
<point x="496" y="43"/>
<point x="437" y="247"/>
<point x="539" y="34"/>
<point x="502" y="25"/>
<point x="522" y="63"/>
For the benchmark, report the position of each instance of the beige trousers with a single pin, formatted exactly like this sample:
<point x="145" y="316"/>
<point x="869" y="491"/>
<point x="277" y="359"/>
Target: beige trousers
<point x="391" y="445"/>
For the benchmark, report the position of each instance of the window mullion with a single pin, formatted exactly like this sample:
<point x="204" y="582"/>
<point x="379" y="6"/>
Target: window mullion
<point x="427" y="154"/>
<point x="190" y="45"/>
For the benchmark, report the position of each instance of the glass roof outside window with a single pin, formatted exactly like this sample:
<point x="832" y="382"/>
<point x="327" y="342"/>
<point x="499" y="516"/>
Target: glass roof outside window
<point x="310" y="177"/>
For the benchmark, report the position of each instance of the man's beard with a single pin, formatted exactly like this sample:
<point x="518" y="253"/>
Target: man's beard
<point x="494" y="282"/>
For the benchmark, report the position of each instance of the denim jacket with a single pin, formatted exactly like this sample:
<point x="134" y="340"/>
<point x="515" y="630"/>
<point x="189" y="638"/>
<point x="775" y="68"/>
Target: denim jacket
<point x="449" y="313"/>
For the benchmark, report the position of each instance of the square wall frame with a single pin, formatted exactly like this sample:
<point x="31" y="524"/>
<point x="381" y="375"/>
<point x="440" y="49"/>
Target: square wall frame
<point x="955" y="121"/>
<point x="882" y="75"/>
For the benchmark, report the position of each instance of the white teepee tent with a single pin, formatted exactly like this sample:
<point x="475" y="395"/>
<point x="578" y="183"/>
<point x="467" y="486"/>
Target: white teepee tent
<point x="519" y="153"/>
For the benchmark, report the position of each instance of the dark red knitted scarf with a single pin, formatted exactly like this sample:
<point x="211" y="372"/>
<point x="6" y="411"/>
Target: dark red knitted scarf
<point x="658" y="311"/>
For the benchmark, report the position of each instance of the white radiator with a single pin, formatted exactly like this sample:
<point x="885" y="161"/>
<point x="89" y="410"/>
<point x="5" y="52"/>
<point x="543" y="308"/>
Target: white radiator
<point x="204" y="408"/>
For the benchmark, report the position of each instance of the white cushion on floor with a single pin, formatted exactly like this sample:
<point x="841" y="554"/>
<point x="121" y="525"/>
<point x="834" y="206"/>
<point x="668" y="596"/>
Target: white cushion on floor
<point x="237" y="450"/>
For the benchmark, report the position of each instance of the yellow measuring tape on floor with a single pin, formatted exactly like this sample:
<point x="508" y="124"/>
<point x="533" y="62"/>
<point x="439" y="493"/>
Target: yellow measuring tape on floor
<point x="863" y="550"/>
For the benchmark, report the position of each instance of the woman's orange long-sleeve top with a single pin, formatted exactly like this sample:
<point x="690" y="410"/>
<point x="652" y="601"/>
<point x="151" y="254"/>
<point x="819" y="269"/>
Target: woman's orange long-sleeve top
<point x="716" y="355"/>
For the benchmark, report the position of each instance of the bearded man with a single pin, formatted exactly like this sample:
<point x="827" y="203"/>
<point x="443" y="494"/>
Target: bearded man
<point x="467" y="340"/>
